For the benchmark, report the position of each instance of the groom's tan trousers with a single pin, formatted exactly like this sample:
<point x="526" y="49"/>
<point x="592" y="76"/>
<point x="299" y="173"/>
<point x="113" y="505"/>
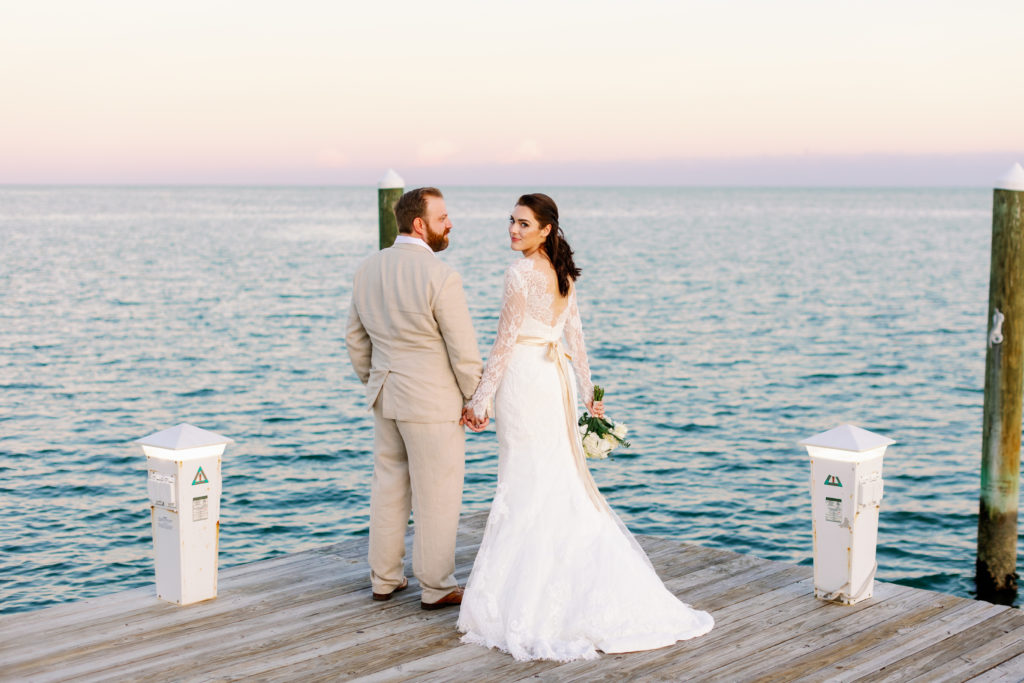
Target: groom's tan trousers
<point x="418" y="466"/>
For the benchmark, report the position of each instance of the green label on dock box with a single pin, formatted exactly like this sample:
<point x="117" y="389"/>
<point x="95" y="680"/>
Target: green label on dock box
<point x="200" y="478"/>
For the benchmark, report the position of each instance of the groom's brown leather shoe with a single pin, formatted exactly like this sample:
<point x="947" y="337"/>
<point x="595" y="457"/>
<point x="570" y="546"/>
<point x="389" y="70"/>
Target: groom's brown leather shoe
<point x="453" y="598"/>
<point x="387" y="596"/>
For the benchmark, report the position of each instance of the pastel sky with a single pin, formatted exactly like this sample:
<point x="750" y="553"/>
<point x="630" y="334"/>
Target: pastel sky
<point x="563" y="91"/>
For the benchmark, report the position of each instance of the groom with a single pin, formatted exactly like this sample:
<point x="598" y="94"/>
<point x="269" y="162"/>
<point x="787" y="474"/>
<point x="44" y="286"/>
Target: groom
<point x="412" y="344"/>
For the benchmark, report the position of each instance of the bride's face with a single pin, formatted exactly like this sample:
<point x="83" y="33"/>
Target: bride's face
<point x="525" y="232"/>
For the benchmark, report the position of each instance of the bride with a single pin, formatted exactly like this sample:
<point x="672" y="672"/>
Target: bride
<point x="558" y="576"/>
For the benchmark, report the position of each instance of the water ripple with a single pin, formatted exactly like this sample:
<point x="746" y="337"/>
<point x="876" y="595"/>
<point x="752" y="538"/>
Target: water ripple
<point x="727" y="325"/>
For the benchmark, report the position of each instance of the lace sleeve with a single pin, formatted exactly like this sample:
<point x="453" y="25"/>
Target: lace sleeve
<point x="577" y="349"/>
<point x="513" y="310"/>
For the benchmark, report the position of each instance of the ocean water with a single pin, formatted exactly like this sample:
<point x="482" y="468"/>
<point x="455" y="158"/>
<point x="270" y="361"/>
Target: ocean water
<point x="725" y="324"/>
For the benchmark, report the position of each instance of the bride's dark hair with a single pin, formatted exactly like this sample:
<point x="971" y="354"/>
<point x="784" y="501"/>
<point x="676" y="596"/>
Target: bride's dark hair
<point x="557" y="249"/>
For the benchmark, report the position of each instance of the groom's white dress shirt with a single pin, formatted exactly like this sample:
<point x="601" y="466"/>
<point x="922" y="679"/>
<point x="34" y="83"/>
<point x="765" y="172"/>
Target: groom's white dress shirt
<point x="409" y="239"/>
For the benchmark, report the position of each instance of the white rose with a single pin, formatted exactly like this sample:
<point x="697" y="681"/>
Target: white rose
<point x="620" y="430"/>
<point x="592" y="446"/>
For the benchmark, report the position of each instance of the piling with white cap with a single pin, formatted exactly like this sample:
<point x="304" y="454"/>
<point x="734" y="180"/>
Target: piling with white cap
<point x="389" y="191"/>
<point x="846" y="490"/>
<point x="184" y="487"/>
<point x="996" y="567"/>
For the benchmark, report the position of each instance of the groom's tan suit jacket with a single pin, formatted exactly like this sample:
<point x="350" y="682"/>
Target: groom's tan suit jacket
<point x="412" y="344"/>
<point x="410" y="337"/>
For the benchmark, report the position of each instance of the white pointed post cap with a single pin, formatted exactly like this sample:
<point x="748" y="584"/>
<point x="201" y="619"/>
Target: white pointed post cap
<point x="183" y="436"/>
<point x="848" y="438"/>
<point x="1012" y="180"/>
<point x="391" y="181"/>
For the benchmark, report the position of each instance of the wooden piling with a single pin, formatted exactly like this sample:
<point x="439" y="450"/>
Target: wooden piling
<point x="996" y="570"/>
<point x="389" y="190"/>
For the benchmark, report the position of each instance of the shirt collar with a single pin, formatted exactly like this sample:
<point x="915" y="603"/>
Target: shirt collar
<point x="409" y="239"/>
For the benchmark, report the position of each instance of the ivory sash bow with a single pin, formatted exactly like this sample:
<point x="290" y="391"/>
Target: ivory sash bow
<point x="558" y="356"/>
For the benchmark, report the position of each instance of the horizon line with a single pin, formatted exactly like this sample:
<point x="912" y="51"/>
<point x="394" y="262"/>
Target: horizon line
<point x="967" y="170"/>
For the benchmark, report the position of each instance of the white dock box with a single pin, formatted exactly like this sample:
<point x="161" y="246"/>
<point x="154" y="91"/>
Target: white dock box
<point x="184" y="484"/>
<point x="846" y="490"/>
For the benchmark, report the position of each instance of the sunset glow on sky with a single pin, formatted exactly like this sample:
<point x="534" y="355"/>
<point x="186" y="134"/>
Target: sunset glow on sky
<point x="324" y="92"/>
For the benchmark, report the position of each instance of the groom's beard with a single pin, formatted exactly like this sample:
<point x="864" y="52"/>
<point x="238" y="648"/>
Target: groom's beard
<point x="438" y="241"/>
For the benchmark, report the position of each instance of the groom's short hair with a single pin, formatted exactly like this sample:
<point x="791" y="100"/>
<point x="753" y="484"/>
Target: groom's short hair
<point x="413" y="205"/>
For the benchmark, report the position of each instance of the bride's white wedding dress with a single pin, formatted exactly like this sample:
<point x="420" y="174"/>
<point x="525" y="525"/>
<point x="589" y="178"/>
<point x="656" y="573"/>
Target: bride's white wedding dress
<point x="558" y="576"/>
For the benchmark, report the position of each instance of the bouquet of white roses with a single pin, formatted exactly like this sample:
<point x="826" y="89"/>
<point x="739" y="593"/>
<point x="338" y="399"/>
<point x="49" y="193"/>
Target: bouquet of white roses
<point x="601" y="435"/>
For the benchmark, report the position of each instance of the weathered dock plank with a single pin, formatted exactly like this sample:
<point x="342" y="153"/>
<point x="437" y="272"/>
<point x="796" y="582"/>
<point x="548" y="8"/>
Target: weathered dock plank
<point x="964" y="651"/>
<point x="307" y="616"/>
<point x="900" y="651"/>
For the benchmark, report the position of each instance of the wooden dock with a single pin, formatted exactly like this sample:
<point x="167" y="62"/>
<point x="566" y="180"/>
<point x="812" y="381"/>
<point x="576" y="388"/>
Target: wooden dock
<point x="308" y="617"/>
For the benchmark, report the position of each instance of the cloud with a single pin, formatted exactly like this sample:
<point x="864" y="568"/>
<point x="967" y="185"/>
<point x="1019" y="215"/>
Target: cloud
<point x="435" y="152"/>
<point x="332" y="158"/>
<point x="527" y="150"/>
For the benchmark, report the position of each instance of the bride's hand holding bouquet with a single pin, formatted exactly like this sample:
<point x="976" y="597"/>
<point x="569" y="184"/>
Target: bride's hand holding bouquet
<point x="600" y="435"/>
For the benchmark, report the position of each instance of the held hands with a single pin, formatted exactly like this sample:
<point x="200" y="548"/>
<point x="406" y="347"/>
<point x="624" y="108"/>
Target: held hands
<point x="470" y="420"/>
<point x="596" y="408"/>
